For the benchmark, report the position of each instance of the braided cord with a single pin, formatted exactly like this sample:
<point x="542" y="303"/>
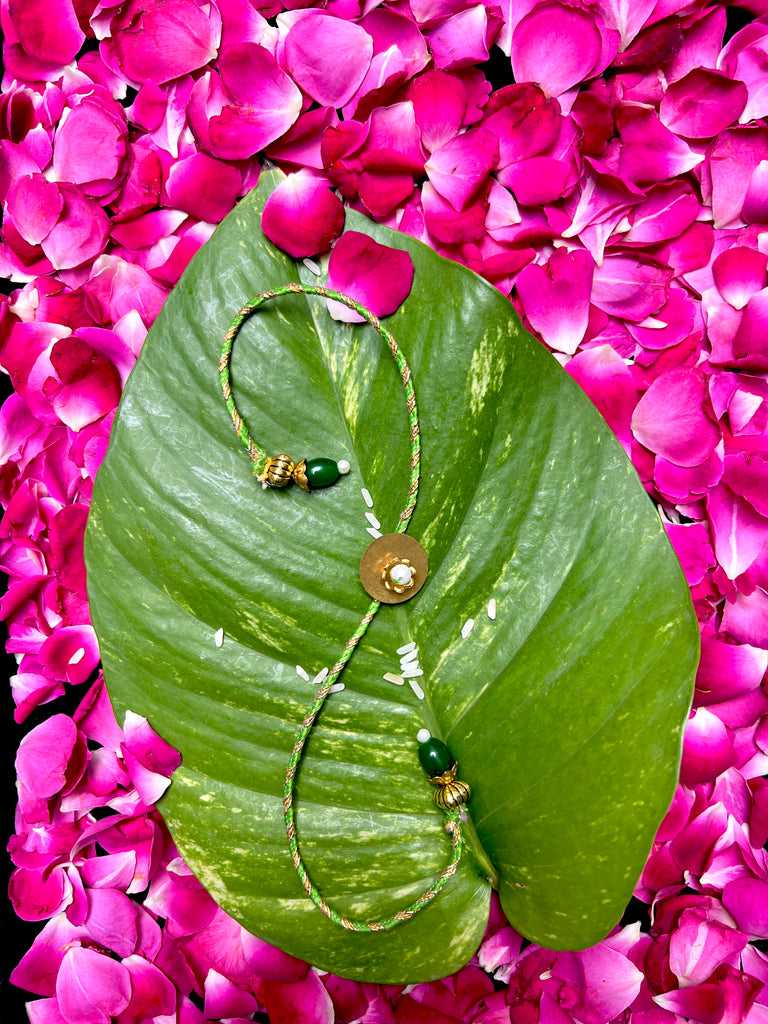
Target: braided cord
<point x="258" y="459"/>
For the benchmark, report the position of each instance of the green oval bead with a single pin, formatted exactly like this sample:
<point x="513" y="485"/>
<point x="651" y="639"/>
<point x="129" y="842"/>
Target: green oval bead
<point x="321" y="472"/>
<point x="435" y="757"/>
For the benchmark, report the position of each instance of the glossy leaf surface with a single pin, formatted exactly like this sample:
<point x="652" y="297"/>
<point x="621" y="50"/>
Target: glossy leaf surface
<point x="565" y="713"/>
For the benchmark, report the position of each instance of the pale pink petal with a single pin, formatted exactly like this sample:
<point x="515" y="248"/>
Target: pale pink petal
<point x="460" y="168"/>
<point x="377" y="276"/>
<point x="555" y="46"/>
<point x="302" y="216"/>
<point x="670" y="325"/>
<point x="328" y="57"/>
<point x="159" y="40"/>
<point x="556" y="298"/>
<point x="739" y="273"/>
<point x="227" y="948"/>
<point x="671" y="421"/>
<point x="702" y="104"/>
<point x="91" y="988"/>
<point x="81" y="232"/>
<point x="149" y="759"/>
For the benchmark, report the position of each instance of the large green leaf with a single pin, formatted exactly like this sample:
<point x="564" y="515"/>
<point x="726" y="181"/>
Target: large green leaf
<point x="565" y="713"/>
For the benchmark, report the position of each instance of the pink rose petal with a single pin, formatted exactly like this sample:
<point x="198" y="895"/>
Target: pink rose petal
<point x="159" y="40"/>
<point x="203" y="187"/>
<point x="555" y="46"/>
<point x="91" y="988"/>
<point x="328" y="57"/>
<point x="302" y="216"/>
<point x="702" y="104"/>
<point x="739" y="273"/>
<point x="671" y="421"/>
<point x="48" y="29"/>
<point x="378" y="277"/>
<point x="556" y="298"/>
<point x="460" y="168"/>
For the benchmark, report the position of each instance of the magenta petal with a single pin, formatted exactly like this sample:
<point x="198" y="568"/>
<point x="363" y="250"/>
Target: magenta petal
<point x="379" y="278"/>
<point x="592" y="997"/>
<point x="80" y="234"/>
<point x="305" y="1000"/>
<point x="670" y="419"/>
<point x="460" y="168"/>
<point x="462" y="39"/>
<point x="629" y="287"/>
<point x="728" y="670"/>
<point x="224" y="999"/>
<point x="607" y="379"/>
<point x="153" y="995"/>
<point x="739" y="273"/>
<point x="739" y="531"/>
<point x="251" y="103"/>
<point x="555" y="46"/>
<point x="91" y="988"/>
<point x="48" y="29"/>
<point x="747" y="900"/>
<point x="159" y="40"/>
<point x="43" y="755"/>
<point x="328" y="57"/>
<point x="556" y="298"/>
<point x="439" y="101"/>
<point x="707" y="748"/>
<point x="702" y="104"/>
<point x="203" y="187"/>
<point x="71" y="653"/>
<point x="702" y="1003"/>
<point x="698" y="946"/>
<point x="34" y="205"/>
<point x="303" y="216"/>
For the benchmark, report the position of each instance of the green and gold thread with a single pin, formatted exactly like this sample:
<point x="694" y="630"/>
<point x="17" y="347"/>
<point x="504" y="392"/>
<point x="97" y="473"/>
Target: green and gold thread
<point x="259" y="461"/>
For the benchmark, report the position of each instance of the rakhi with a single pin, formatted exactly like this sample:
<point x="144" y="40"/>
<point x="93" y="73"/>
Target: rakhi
<point x="388" y="576"/>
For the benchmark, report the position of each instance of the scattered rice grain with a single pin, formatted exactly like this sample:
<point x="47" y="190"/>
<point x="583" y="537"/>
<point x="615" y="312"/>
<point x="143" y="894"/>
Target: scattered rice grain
<point x="301" y="672"/>
<point x="466" y="629"/>
<point x="367" y="496"/>
<point x="416" y="688"/>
